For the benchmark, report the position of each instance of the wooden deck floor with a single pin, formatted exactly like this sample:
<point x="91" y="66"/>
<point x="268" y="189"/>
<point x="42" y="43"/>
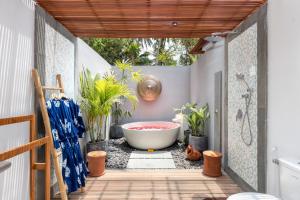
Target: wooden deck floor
<point x="156" y="184"/>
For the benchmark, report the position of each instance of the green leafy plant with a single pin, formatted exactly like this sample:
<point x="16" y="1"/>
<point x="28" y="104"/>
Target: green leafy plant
<point x="97" y="97"/>
<point x="127" y="74"/>
<point x="197" y="120"/>
<point x="110" y="91"/>
<point x="89" y="101"/>
<point x="185" y="109"/>
<point x="166" y="58"/>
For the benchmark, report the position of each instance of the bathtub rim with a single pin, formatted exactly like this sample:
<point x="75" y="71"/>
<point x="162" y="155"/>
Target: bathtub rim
<point x="127" y="126"/>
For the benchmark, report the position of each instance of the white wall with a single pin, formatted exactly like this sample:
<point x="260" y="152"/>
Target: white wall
<point x="283" y="84"/>
<point x="16" y="87"/>
<point x="16" y="90"/>
<point x="175" y="92"/>
<point x="202" y="81"/>
<point x="86" y="57"/>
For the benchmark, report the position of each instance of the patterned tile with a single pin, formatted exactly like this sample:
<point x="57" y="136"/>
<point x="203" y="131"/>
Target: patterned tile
<point x="149" y="155"/>
<point x="242" y="58"/>
<point x="151" y="164"/>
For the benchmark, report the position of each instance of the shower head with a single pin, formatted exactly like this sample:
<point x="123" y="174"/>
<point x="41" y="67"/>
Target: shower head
<point x="213" y="39"/>
<point x="240" y="76"/>
<point x="223" y="34"/>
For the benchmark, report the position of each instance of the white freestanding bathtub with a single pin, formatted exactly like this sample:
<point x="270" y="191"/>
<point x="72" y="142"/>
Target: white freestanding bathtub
<point x="151" y="135"/>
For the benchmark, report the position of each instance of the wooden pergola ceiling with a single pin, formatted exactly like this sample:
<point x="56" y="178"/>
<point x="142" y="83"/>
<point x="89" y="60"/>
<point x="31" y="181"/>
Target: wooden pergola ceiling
<point x="149" y="18"/>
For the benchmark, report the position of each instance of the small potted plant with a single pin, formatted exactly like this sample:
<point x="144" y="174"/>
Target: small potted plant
<point x="197" y="121"/>
<point x="181" y="114"/>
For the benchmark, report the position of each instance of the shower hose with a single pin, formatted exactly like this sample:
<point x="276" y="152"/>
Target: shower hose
<point x="246" y="115"/>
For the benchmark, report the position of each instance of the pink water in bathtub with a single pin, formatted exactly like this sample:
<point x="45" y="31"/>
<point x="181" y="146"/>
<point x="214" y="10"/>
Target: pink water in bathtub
<point x="153" y="127"/>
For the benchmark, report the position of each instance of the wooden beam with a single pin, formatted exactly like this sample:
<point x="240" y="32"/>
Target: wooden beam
<point x="146" y="35"/>
<point x="197" y="49"/>
<point x="92" y="19"/>
<point x="32" y="137"/>
<point x="39" y="166"/>
<point x="14" y="120"/>
<point x="22" y="149"/>
<point x="51" y="88"/>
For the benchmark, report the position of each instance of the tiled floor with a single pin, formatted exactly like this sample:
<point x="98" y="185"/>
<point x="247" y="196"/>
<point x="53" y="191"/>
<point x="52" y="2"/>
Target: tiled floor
<point x="151" y="160"/>
<point x="148" y="155"/>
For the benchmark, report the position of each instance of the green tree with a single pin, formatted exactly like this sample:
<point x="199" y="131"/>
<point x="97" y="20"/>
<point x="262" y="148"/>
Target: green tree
<point x="119" y="49"/>
<point x="110" y="49"/>
<point x="163" y="51"/>
<point x="165" y="58"/>
<point x="185" y="46"/>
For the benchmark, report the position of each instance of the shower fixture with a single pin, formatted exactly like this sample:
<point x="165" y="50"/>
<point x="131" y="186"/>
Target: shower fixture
<point x="210" y="42"/>
<point x="240" y="76"/>
<point x="208" y="46"/>
<point x="223" y="33"/>
<point x="214" y="38"/>
<point x="240" y="115"/>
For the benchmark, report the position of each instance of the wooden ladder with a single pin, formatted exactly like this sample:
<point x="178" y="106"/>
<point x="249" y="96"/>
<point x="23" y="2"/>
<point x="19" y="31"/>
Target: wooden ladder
<point x="55" y="154"/>
<point x="31" y="146"/>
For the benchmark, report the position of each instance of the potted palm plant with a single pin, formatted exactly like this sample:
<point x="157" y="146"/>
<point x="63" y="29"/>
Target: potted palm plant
<point x="181" y="114"/>
<point x="98" y="95"/>
<point x="119" y="110"/>
<point x="113" y="92"/>
<point x="89" y="104"/>
<point x="197" y="120"/>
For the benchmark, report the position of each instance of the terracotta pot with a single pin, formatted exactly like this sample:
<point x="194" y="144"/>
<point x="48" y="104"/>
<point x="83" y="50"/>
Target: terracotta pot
<point x="199" y="143"/>
<point x="96" y="162"/>
<point x="192" y="154"/>
<point x="212" y="163"/>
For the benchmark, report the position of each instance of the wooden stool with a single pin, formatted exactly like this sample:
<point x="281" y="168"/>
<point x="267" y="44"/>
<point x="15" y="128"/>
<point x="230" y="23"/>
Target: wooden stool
<point x="96" y="162"/>
<point x="212" y="163"/>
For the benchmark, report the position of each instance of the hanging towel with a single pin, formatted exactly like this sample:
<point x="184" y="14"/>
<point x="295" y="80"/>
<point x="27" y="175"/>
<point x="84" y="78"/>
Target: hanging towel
<point x="67" y="126"/>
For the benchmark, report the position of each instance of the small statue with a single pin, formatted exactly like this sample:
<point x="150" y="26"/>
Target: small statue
<point x="192" y="154"/>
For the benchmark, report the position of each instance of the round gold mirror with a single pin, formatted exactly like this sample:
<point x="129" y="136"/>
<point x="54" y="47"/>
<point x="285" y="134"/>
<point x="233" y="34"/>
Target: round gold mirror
<point x="149" y="88"/>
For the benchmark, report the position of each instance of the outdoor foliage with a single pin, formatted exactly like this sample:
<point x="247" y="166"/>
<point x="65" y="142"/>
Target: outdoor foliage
<point x="186" y="109"/>
<point x="97" y="97"/>
<point x="126" y="74"/>
<point x="165" y="51"/>
<point x="197" y="120"/>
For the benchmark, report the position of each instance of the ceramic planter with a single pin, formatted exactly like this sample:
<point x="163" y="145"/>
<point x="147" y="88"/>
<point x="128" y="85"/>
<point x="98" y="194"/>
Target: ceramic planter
<point x="187" y="134"/>
<point x="116" y="132"/>
<point x="97" y="146"/>
<point x="199" y="143"/>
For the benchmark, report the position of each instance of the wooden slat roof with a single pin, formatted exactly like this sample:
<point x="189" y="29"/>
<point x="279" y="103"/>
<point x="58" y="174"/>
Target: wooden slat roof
<point x="149" y="18"/>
